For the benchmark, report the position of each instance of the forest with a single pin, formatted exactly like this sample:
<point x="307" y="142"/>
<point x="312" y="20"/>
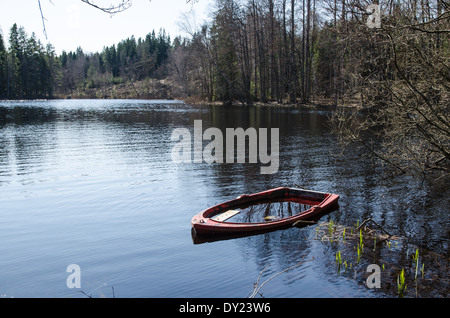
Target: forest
<point x="255" y="50"/>
<point x="28" y="70"/>
<point x="299" y="51"/>
<point x="285" y="52"/>
<point x="388" y="79"/>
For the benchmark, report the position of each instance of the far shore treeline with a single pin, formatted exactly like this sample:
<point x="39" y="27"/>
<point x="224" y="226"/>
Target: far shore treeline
<point x="28" y="70"/>
<point x="255" y="51"/>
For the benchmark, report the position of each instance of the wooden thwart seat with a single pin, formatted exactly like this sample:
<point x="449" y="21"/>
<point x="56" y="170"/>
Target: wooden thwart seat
<point x="225" y="215"/>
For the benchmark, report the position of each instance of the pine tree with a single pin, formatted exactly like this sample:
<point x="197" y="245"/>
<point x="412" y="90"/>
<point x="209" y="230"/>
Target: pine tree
<point x="14" y="86"/>
<point x="224" y="53"/>
<point x="3" y="68"/>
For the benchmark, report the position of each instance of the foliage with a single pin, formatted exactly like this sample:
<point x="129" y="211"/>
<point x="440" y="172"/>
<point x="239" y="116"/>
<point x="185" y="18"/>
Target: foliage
<point x="401" y="283"/>
<point x="27" y="69"/>
<point x="403" y="88"/>
<point x="130" y="60"/>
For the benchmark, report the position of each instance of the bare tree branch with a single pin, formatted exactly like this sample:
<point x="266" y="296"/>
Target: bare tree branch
<point x="113" y="8"/>
<point x="122" y="6"/>
<point x="43" y="18"/>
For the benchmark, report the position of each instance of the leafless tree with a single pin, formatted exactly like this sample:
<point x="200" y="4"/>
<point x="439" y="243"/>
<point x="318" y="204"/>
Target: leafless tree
<point x="405" y="91"/>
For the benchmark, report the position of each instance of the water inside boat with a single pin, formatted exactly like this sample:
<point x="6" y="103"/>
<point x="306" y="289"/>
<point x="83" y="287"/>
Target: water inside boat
<point x="262" y="212"/>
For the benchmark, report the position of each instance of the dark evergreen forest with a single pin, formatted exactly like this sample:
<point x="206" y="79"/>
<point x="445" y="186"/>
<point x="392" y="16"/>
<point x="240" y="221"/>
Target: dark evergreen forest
<point x="28" y="70"/>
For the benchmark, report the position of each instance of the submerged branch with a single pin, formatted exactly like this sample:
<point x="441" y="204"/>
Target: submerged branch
<point x="370" y="220"/>
<point x="257" y="288"/>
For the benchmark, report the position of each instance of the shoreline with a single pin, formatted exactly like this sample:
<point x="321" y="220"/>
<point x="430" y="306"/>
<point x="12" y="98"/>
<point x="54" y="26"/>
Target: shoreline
<point x="165" y="89"/>
<point x="191" y="101"/>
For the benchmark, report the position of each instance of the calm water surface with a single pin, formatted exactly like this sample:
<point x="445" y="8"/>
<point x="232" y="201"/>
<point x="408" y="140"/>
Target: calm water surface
<point x="92" y="183"/>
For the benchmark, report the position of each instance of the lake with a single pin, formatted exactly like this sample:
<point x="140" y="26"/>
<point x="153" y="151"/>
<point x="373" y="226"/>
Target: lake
<point x="93" y="183"/>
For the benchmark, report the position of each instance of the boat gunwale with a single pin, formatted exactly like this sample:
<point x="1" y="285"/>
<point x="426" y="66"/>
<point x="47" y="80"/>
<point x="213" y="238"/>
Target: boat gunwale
<point x="202" y="221"/>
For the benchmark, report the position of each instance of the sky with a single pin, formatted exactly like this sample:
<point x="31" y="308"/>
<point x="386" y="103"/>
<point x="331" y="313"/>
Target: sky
<point x="71" y="23"/>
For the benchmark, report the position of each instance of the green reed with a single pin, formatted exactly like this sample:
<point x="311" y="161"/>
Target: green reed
<point x="401" y="284"/>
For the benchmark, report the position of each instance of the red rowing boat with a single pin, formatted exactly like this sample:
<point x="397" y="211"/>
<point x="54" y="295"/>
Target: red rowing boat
<point x="264" y="211"/>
